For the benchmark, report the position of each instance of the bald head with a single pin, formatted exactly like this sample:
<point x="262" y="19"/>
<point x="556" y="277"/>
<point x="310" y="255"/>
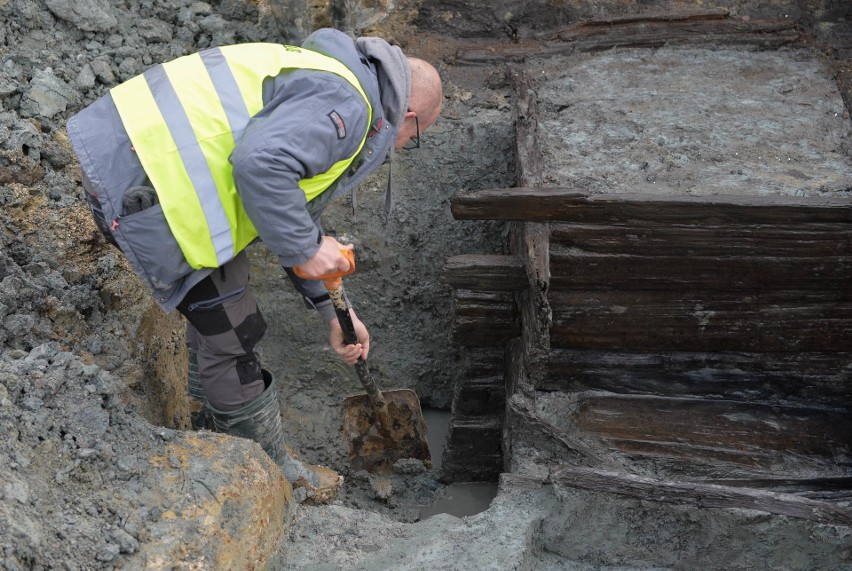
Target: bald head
<point x="425" y="100"/>
<point x="426" y="92"/>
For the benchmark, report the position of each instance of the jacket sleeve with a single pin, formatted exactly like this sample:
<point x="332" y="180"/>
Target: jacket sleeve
<point x="312" y="121"/>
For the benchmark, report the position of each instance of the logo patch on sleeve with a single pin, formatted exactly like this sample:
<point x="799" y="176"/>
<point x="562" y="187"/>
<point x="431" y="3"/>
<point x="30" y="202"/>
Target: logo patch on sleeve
<point x="338" y="124"/>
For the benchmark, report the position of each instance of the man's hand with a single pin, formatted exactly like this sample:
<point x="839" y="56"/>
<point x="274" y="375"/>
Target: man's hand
<point x="328" y="259"/>
<point x="349" y="353"/>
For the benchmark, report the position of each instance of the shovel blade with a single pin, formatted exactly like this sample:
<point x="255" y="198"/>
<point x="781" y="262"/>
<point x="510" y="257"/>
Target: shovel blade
<point x="375" y="448"/>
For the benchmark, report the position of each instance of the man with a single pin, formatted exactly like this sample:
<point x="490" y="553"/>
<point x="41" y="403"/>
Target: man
<point x="187" y="164"/>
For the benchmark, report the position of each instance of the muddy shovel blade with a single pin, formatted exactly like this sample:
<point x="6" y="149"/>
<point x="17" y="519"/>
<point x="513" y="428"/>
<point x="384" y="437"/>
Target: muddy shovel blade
<point x="375" y="447"/>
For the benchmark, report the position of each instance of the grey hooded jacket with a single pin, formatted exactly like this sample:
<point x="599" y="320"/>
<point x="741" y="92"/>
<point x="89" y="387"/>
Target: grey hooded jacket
<point x="310" y="121"/>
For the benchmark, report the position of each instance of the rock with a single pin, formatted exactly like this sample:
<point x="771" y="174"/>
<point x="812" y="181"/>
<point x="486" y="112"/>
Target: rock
<point x="128" y="67"/>
<point x="89" y="15"/>
<point x="23" y="134"/>
<point x="7" y="85"/>
<point x="87" y="424"/>
<point x="18" y="491"/>
<point x="212" y="24"/>
<point x="201" y="8"/>
<point x="32" y="404"/>
<point x="109" y="552"/>
<point x="102" y="69"/>
<point x="86" y="77"/>
<point x="228" y="506"/>
<point x="152" y="30"/>
<point x="126" y="543"/>
<point x="18" y="325"/>
<point x="383" y="487"/>
<point x="47" y="96"/>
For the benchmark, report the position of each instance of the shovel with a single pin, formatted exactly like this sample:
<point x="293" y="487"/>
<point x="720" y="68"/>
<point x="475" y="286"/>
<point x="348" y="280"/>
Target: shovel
<point x="380" y="427"/>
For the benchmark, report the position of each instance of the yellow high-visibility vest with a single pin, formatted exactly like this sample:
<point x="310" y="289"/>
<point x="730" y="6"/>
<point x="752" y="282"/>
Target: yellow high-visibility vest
<point x="183" y="118"/>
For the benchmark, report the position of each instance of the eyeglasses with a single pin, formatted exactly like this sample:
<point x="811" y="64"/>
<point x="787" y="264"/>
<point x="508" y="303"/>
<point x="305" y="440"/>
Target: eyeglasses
<point x="414" y="143"/>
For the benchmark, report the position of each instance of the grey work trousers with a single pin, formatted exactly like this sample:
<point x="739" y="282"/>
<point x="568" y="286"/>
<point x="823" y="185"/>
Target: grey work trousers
<point x="224" y="325"/>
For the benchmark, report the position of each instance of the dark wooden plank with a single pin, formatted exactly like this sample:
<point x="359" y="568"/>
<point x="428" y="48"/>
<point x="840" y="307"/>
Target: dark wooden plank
<point x="481" y="362"/>
<point x="758" y="436"/>
<point x="685" y="321"/>
<point x="515" y="368"/>
<point x="646" y="30"/>
<point x="531" y="241"/>
<point x="533" y="244"/>
<point x="480" y="272"/>
<point x="572" y="205"/>
<point x="483" y="318"/>
<point x="479" y="397"/>
<point x="808" y="487"/>
<point x="798" y="377"/>
<point x="472" y="450"/>
<point x="832" y="275"/>
<point x="652" y="239"/>
<point x="702" y="495"/>
<point x="528" y="158"/>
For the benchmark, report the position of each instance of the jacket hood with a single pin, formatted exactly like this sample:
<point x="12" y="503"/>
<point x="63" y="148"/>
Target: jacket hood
<point x="394" y="75"/>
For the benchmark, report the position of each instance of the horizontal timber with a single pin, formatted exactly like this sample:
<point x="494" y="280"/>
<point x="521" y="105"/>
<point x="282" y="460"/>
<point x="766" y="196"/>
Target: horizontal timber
<point x="570" y="205"/>
<point x="824" y="277"/>
<point x="648" y="238"/>
<point x="801" y="377"/>
<point x="702" y="495"/>
<point x="773" y="439"/>
<point x="485" y="272"/>
<point x="686" y="321"/>
<point x="646" y="30"/>
<point x="484" y="318"/>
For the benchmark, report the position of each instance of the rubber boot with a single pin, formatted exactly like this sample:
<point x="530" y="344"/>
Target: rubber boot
<point x="260" y="420"/>
<point x="200" y="419"/>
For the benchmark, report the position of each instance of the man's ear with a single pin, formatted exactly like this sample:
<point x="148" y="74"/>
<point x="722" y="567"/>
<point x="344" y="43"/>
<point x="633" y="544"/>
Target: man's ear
<point x="410" y="114"/>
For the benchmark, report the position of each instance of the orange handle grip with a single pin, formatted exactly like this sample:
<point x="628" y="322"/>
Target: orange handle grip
<point x="331" y="279"/>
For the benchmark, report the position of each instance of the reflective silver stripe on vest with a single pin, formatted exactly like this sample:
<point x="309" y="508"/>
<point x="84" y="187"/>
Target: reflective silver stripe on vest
<point x="193" y="160"/>
<point x="227" y="90"/>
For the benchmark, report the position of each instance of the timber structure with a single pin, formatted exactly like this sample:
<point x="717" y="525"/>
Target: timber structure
<point x="692" y="345"/>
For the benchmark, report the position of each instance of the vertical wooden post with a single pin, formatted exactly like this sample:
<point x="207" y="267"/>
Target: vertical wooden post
<point x="531" y="240"/>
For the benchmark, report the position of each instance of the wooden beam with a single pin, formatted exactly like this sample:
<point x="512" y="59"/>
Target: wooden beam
<point x="480" y="272"/>
<point x="649" y="238"/>
<point x="528" y="157"/>
<point x="797" y="377"/>
<point x="702" y="495"/>
<point x="819" y="278"/>
<point x="531" y="241"/>
<point x="696" y="28"/>
<point x="772" y="440"/>
<point x="533" y="245"/>
<point x="570" y="205"/>
<point x="684" y="321"/>
<point x="473" y="451"/>
<point x="483" y="319"/>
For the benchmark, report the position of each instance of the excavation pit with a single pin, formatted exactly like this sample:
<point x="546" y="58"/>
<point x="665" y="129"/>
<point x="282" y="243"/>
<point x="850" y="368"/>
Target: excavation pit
<point x="641" y="424"/>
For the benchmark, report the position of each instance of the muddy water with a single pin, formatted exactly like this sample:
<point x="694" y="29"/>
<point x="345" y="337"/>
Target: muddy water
<point x="438" y="424"/>
<point x="459" y="499"/>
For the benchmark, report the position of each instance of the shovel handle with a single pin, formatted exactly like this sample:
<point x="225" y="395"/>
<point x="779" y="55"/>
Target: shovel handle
<point x="380" y="405"/>
<point x="334" y="285"/>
